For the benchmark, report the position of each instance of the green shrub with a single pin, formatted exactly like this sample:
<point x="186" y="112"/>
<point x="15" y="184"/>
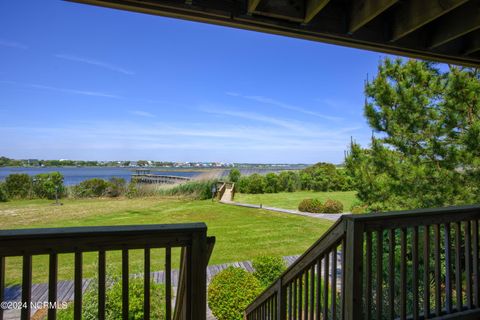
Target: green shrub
<point x="46" y="185"/>
<point x="3" y="192"/>
<point x="132" y="190"/>
<point x="230" y="292"/>
<point x="242" y="185"/>
<point x="18" y="185"/>
<point x="311" y="205"/>
<point x="113" y="301"/>
<point x="271" y="183"/>
<point x="234" y="175"/>
<point x="332" y="206"/>
<point x="256" y="183"/>
<point x="289" y="181"/>
<point x="115" y="188"/>
<point x="268" y="269"/>
<point x="90" y="188"/>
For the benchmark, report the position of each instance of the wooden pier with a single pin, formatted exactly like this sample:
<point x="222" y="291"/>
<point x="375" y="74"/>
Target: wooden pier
<point x="144" y="176"/>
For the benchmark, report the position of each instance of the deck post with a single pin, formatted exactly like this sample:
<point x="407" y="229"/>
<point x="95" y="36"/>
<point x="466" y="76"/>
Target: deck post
<point x="197" y="276"/>
<point x="354" y="270"/>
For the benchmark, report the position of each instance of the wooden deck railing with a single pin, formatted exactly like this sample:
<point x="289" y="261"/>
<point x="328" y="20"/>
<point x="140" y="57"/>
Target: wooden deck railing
<point x="421" y="264"/>
<point x="191" y="291"/>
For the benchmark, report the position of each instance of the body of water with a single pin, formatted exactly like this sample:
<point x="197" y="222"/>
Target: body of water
<point x="74" y="176"/>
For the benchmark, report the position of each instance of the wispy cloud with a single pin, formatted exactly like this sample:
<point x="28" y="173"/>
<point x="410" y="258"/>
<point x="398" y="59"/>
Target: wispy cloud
<point x="142" y="113"/>
<point x="284" y="105"/>
<point x="64" y="90"/>
<point x="12" y="44"/>
<point x="101" y="64"/>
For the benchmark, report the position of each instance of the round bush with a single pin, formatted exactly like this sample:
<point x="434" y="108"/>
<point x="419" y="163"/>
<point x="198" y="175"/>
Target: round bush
<point x="310" y="205"/>
<point x="332" y="206"/>
<point x="230" y="292"/>
<point x="268" y="269"/>
<point x="18" y="185"/>
<point x="116" y="187"/>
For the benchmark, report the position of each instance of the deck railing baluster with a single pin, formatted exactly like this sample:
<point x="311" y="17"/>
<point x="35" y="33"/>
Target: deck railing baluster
<point x="468" y="264"/>
<point x="379" y="277"/>
<point x="26" y="287"/>
<point x="2" y="283"/>
<point x="146" y="284"/>
<point x="52" y="285"/>
<point x="101" y="284"/>
<point x="77" y="303"/>
<point x="426" y="272"/>
<point x="168" y="283"/>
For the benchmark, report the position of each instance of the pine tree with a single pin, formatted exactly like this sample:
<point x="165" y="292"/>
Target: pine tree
<point x="426" y="148"/>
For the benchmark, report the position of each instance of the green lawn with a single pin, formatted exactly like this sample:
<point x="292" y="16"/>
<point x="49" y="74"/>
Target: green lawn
<point x="242" y="233"/>
<point x="290" y="200"/>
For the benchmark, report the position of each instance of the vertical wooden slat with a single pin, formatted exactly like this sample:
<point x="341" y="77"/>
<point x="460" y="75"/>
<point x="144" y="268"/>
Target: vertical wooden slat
<point x="52" y="285"/>
<point x="426" y="272"/>
<point x="101" y="284"/>
<point x="318" y="305"/>
<point x="326" y="262"/>
<point x="77" y="302"/>
<point x="281" y="301"/>
<point x="403" y="273"/>
<point x="2" y="283"/>
<point x="438" y="284"/>
<point x="295" y="316"/>
<point x="168" y="283"/>
<point x="468" y="263"/>
<point x="448" y="268"/>
<point x="305" y="307"/>
<point x="415" y="266"/>
<point x="475" y="264"/>
<point x="146" y="284"/>
<point x="458" y="271"/>
<point x="26" y="286"/>
<point x="125" y="279"/>
<point x="290" y="301"/>
<point x="391" y="273"/>
<point x="300" y="291"/>
<point x="334" y="284"/>
<point x="368" y="275"/>
<point x="379" y="276"/>
<point x="312" y="291"/>
<point x="342" y="305"/>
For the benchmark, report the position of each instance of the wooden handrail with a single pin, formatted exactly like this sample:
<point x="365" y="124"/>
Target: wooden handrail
<point x="351" y="271"/>
<point x="196" y="250"/>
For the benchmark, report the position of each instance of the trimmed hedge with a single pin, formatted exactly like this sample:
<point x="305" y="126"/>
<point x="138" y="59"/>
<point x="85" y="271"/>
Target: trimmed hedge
<point x="332" y="206"/>
<point x="231" y="291"/>
<point x="268" y="269"/>
<point x="311" y="205"/>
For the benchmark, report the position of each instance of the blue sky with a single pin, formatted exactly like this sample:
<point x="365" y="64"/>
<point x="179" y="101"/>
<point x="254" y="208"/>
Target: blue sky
<point x="84" y="82"/>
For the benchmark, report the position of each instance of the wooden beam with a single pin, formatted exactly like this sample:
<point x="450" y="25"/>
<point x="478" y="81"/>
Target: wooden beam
<point x="364" y="11"/>
<point x="252" y="5"/>
<point x="313" y="7"/>
<point x="416" y="13"/>
<point x="456" y="24"/>
<point x="473" y="43"/>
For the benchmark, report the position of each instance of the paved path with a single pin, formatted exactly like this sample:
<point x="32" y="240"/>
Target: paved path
<point x="328" y="216"/>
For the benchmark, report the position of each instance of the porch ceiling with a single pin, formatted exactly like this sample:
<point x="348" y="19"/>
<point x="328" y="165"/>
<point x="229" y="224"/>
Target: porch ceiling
<point x="441" y="30"/>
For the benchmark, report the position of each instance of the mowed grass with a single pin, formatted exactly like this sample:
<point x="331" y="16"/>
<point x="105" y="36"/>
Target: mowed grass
<point x="290" y="200"/>
<point x="241" y="233"/>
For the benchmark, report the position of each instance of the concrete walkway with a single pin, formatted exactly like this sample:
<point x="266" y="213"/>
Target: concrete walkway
<point x="328" y="216"/>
